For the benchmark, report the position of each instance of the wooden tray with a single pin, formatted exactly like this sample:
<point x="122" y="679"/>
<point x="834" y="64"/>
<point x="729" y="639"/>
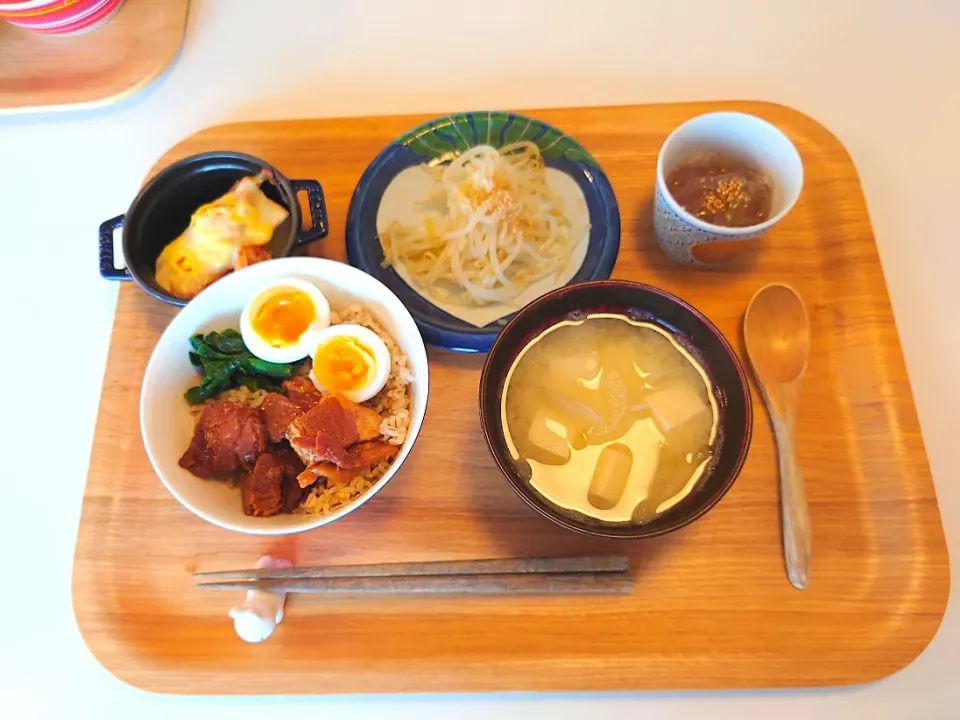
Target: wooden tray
<point x="712" y="608"/>
<point x="107" y="64"/>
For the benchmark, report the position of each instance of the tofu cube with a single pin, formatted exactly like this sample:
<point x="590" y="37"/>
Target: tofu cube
<point x="674" y="405"/>
<point x="550" y="437"/>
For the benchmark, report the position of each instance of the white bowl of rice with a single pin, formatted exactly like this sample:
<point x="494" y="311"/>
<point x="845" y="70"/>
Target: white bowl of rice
<point x="167" y="420"/>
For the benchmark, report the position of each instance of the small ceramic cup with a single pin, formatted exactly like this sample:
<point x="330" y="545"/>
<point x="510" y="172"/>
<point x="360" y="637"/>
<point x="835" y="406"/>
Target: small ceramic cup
<point x="691" y="241"/>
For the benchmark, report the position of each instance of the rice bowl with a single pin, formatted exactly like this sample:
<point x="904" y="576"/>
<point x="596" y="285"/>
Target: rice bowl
<point x="167" y="421"/>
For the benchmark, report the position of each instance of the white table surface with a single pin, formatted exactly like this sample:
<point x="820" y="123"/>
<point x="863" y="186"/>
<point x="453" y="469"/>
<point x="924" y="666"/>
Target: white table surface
<point x="884" y="76"/>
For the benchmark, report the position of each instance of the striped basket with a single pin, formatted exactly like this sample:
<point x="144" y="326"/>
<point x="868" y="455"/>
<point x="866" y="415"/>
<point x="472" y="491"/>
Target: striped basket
<point x="58" y="17"/>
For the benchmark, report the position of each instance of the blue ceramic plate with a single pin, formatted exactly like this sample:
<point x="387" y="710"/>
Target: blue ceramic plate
<point x="439" y="141"/>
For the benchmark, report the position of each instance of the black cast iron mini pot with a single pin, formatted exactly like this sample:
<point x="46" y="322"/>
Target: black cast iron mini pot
<point x="162" y="211"/>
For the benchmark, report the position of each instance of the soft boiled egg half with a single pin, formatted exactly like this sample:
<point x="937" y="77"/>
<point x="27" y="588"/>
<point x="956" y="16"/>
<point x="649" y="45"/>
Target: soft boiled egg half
<point x="280" y="323"/>
<point x="350" y="360"/>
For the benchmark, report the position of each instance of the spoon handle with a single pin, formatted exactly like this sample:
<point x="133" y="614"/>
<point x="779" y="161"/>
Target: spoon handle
<point x="795" y="515"/>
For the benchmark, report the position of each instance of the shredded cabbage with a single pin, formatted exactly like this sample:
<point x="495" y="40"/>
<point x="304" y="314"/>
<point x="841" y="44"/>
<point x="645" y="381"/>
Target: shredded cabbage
<point x="490" y="228"/>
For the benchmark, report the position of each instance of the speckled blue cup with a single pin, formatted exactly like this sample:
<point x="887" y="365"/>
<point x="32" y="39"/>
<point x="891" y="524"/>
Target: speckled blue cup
<point x="691" y="241"/>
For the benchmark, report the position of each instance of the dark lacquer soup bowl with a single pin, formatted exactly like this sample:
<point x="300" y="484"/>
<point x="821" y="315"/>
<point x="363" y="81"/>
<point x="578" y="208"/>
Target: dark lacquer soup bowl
<point x="692" y="331"/>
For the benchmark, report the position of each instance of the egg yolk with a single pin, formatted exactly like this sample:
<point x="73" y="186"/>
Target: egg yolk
<point x="283" y="317"/>
<point x="342" y="363"/>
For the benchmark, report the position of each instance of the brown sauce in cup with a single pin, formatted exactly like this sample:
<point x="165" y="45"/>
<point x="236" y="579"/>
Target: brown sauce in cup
<point x="722" y="190"/>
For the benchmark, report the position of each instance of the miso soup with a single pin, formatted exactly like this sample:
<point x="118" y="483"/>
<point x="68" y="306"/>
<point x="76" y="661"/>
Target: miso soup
<point x="609" y="417"/>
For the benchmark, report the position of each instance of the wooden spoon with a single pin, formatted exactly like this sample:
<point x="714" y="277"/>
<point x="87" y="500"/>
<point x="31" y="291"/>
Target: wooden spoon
<point x="777" y="334"/>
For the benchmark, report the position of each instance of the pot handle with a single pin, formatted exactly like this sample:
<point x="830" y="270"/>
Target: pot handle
<point x="318" y="212"/>
<point x="107" y="268"/>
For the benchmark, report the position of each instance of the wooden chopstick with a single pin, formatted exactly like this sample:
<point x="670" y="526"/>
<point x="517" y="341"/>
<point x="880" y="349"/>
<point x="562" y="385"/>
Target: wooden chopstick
<point x="528" y="583"/>
<point x="517" y="566"/>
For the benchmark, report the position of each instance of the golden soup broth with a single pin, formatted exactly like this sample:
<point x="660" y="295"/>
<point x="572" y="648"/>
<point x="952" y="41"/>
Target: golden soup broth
<point x="609" y="417"/>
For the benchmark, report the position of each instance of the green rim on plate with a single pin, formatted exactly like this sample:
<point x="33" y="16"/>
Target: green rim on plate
<point x="446" y="137"/>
